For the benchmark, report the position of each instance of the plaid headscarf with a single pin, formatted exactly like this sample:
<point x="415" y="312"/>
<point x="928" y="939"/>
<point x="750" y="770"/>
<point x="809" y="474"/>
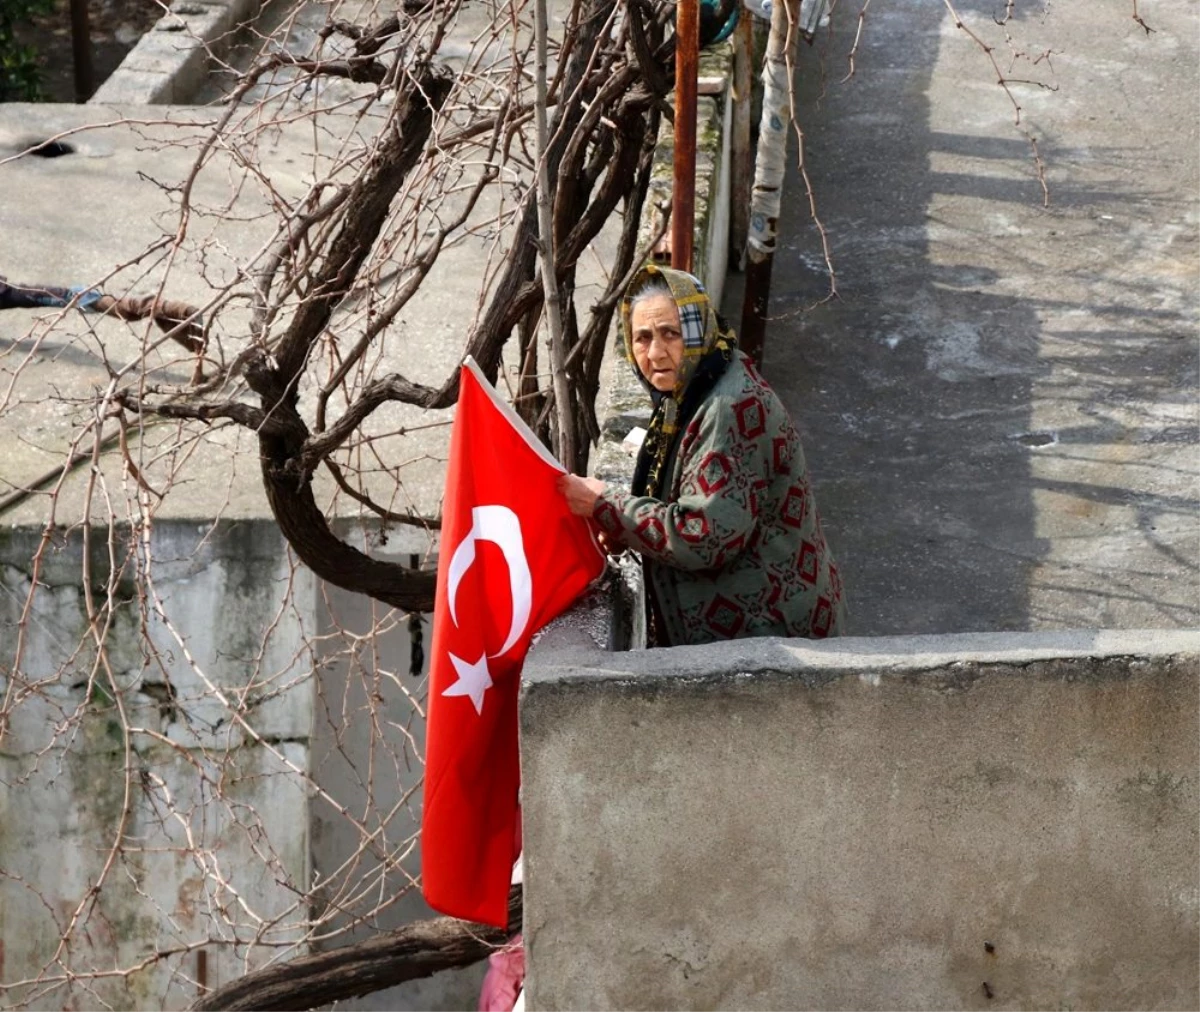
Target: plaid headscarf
<point x="708" y="346"/>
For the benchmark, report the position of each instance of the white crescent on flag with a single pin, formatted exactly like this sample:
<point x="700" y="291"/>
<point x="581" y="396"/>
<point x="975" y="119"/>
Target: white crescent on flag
<point x="500" y="526"/>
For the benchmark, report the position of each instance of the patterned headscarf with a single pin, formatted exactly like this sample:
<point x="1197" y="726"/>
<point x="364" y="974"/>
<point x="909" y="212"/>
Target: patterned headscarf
<point x="708" y="346"/>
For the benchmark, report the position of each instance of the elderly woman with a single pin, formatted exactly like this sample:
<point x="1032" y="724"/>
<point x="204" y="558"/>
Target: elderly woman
<point x="721" y="508"/>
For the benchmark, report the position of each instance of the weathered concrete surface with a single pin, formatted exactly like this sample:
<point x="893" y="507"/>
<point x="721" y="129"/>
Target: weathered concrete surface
<point x="52" y="364"/>
<point x="312" y="726"/>
<point x="144" y="784"/>
<point x="851" y="825"/>
<point x="107" y="215"/>
<point x="1000" y="411"/>
<point x="368" y="744"/>
<point x="172" y="61"/>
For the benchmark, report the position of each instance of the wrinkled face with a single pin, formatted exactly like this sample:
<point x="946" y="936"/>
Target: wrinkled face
<point x="657" y="341"/>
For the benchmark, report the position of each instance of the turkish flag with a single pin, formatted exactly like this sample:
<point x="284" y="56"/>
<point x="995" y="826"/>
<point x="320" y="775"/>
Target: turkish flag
<point x="512" y="557"/>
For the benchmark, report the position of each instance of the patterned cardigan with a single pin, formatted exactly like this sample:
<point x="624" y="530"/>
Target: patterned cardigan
<point x="737" y="548"/>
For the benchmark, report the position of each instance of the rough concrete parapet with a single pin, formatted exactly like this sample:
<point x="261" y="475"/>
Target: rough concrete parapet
<point x="964" y="822"/>
<point x="169" y="63"/>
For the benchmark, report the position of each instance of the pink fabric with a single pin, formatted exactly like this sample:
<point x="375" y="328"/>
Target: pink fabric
<point x="504" y="977"/>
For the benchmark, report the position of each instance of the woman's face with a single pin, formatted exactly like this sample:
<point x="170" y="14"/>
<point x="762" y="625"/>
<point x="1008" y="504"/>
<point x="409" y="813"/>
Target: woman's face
<point x="657" y="341"/>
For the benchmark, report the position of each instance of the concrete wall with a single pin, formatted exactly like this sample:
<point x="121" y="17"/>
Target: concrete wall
<point x="1005" y="821"/>
<point x="719" y="187"/>
<point x="368" y="749"/>
<point x="176" y="845"/>
<point x="170" y="62"/>
<point x="224" y="832"/>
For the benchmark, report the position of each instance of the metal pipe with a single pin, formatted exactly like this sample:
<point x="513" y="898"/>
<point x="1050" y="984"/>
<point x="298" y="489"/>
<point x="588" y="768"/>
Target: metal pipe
<point x="683" y="200"/>
<point x="81" y="50"/>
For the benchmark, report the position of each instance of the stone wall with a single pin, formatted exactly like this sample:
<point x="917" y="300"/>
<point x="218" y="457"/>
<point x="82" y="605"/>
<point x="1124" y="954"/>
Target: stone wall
<point x="923" y="822"/>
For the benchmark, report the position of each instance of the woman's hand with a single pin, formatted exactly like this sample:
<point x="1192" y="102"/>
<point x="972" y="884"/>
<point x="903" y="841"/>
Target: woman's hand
<point x="581" y="493"/>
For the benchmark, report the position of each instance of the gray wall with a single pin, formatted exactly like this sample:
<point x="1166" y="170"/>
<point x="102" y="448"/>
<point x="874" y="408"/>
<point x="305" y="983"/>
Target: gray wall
<point x="777" y="824"/>
<point x="203" y="798"/>
<point x="326" y="697"/>
<point x="368" y="749"/>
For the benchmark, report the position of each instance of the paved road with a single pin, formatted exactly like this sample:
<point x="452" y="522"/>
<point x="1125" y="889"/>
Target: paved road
<point x="1001" y="408"/>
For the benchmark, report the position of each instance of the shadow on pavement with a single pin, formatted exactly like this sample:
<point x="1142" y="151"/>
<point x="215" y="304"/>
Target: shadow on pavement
<point x="931" y="395"/>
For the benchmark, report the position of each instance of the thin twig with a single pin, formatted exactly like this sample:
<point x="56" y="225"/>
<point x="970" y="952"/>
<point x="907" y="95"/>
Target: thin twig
<point x="546" y="249"/>
<point x="1138" y="18"/>
<point x="990" y="53"/>
<point x="850" y="59"/>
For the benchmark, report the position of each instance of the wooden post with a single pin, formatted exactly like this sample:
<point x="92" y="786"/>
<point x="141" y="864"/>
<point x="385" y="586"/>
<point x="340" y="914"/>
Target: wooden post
<point x="756" y="300"/>
<point x="687" y="65"/>
<point x="742" y="155"/>
<point x="770" y="165"/>
<point x="81" y="50"/>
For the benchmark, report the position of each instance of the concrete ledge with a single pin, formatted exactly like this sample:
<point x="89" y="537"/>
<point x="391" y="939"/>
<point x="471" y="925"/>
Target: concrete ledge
<point x="170" y="62"/>
<point x="569" y="658"/>
<point x="995" y="821"/>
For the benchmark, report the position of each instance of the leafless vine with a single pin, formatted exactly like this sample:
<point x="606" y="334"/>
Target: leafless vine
<point x="852" y="56"/>
<point x="802" y="168"/>
<point x="343" y="227"/>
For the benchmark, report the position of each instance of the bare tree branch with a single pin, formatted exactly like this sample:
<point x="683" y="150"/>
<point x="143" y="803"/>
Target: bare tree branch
<point x="549" y="261"/>
<point x="418" y="950"/>
<point x="248" y="415"/>
<point x="368" y="203"/>
<point x="380" y="391"/>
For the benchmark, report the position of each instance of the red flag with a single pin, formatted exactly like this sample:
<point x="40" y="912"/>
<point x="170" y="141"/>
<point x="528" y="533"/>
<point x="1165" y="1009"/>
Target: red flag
<point x="512" y="557"/>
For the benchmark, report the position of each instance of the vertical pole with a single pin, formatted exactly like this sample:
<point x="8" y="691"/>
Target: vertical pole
<point x="770" y="165"/>
<point x="81" y="50"/>
<point x="683" y="200"/>
<point x="756" y="300"/>
<point x="549" y="261"/>
<point x="743" y="156"/>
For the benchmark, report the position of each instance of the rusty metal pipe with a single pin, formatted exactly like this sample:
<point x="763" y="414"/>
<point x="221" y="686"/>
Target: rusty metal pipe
<point x="683" y="200"/>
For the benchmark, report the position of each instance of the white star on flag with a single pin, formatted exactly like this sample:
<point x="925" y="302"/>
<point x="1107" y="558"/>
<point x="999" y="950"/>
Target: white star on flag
<point x="473" y="680"/>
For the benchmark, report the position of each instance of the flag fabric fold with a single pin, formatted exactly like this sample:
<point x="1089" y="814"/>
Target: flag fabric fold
<point x="511" y="558"/>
